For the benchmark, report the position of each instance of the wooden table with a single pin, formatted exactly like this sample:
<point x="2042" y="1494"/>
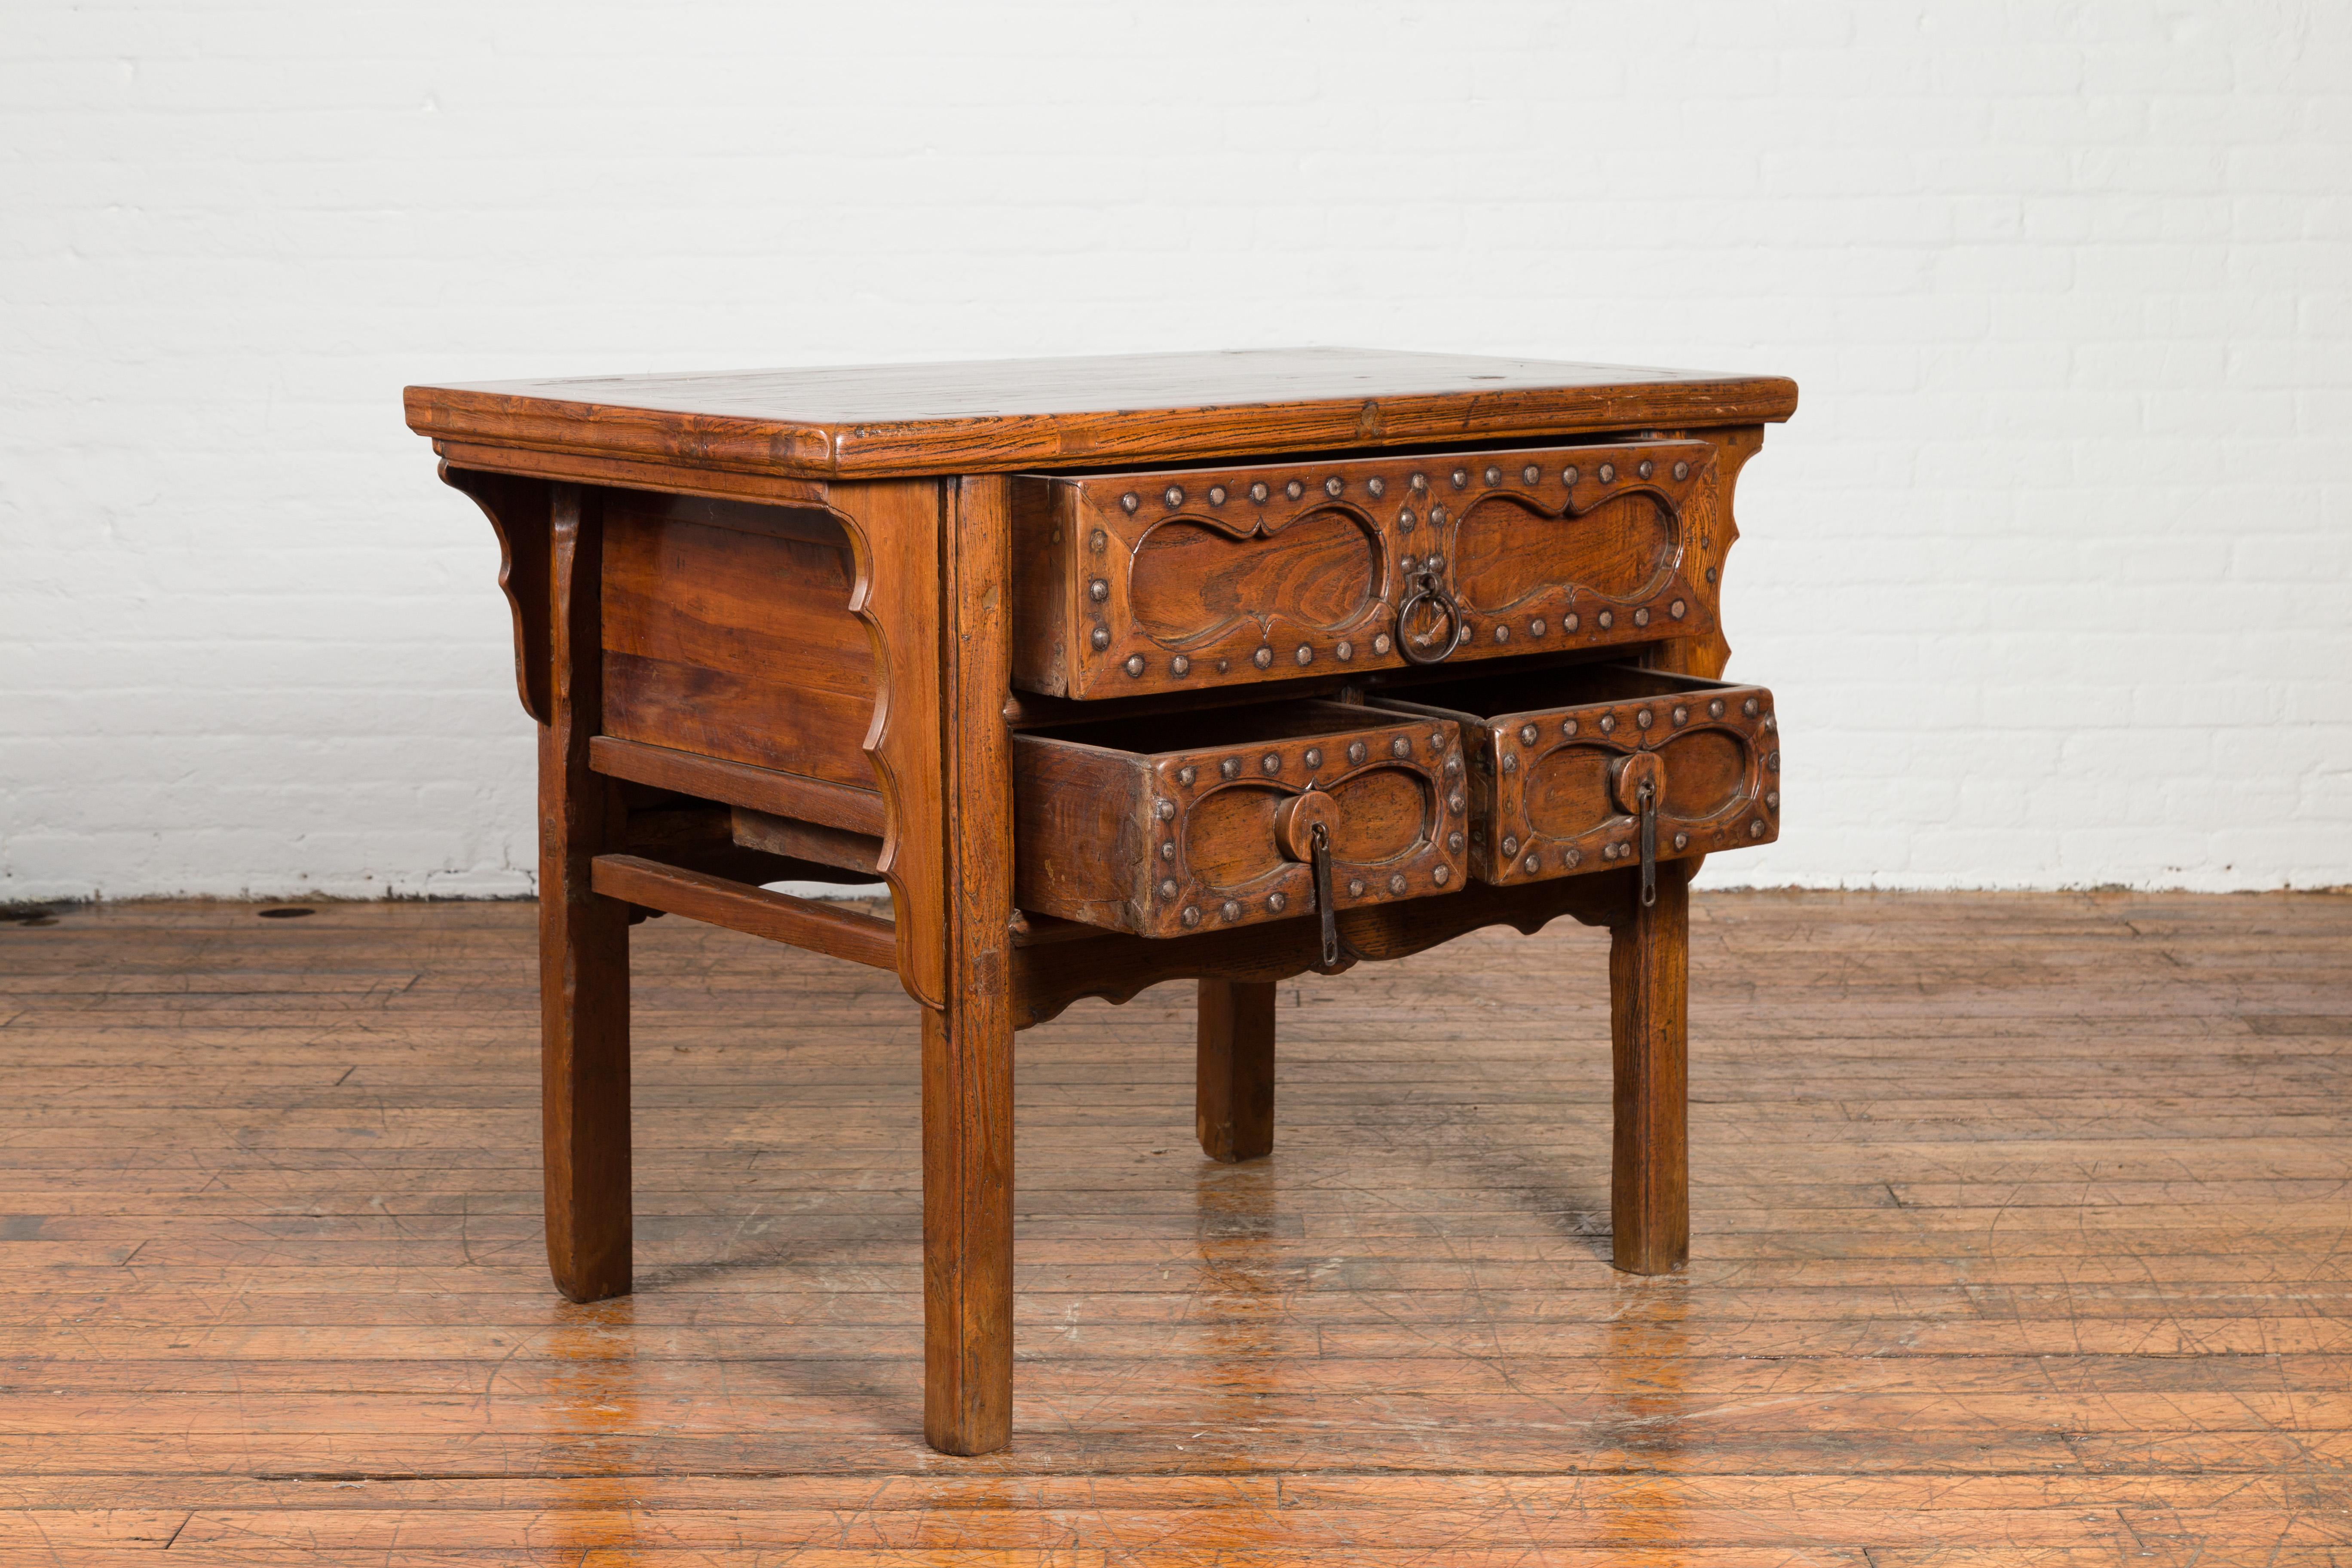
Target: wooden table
<point x="1219" y="666"/>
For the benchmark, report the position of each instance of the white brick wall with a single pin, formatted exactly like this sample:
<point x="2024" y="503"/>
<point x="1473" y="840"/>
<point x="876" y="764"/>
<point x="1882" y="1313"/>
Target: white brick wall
<point x="2050" y="572"/>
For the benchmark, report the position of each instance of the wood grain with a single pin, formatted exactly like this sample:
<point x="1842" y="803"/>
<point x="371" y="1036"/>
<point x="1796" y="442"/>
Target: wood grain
<point x="1233" y="1105"/>
<point x="583" y="936"/>
<point x="811" y="923"/>
<point x="1649" y="991"/>
<point x="2017" y="1241"/>
<point x="862" y="421"/>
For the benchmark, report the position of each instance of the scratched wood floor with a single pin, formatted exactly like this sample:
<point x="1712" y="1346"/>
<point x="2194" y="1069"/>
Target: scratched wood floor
<point x="2021" y="1237"/>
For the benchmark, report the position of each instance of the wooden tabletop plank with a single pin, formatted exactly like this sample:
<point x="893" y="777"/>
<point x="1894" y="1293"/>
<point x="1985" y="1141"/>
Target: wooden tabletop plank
<point x="991" y="415"/>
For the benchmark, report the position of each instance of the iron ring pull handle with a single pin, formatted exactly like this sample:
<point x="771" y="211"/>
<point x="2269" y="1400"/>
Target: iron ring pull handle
<point x="1426" y="589"/>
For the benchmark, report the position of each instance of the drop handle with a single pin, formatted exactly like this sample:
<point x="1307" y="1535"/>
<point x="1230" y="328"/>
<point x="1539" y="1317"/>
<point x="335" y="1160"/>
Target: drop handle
<point x="1302" y="828"/>
<point x="1640" y="781"/>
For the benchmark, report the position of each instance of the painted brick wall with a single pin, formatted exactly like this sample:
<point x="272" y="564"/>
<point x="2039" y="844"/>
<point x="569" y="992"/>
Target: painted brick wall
<point x="2050" y="571"/>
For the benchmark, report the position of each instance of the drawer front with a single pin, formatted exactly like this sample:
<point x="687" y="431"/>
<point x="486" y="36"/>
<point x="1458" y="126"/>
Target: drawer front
<point x="1214" y="830"/>
<point x="1136" y="582"/>
<point x="1553" y="786"/>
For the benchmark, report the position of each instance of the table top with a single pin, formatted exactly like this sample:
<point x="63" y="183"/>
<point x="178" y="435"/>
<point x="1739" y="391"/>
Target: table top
<point x="993" y="416"/>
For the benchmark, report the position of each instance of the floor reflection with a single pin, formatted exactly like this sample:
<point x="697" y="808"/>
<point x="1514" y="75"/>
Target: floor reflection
<point x="589" y="1421"/>
<point x="1239" y="1302"/>
<point x="1642" y="1430"/>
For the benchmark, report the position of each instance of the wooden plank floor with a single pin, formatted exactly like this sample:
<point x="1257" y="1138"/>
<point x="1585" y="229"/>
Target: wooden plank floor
<point x="2020" y="1238"/>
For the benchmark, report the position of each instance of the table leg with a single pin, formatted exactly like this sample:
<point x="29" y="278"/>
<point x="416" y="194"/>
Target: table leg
<point x="968" y="1043"/>
<point x="1649" y="969"/>
<point x="1233" y="1098"/>
<point x="583" y="939"/>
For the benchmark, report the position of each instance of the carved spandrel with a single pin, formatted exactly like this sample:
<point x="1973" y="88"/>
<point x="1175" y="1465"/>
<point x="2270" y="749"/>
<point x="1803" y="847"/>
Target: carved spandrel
<point x="519" y="511"/>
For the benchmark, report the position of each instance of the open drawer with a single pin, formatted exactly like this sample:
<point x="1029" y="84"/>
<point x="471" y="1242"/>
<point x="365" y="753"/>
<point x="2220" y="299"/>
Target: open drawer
<point x="1181" y="822"/>
<point x="1559" y="761"/>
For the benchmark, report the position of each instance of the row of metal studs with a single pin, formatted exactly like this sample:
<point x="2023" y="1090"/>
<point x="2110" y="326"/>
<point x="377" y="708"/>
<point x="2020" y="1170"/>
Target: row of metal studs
<point x="1399" y="884"/>
<point x="1376" y="487"/>
<point x="1270" y="765"/>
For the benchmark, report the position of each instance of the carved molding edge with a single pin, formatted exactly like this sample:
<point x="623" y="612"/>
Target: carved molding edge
<point x="520" y="513"/>
<point x="1119" y="968"/>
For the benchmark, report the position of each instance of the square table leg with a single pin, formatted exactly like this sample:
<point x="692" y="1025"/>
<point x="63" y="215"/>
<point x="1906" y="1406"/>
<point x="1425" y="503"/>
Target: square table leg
<point x="1233" y="1097"/>
<point x="1649" y="970"/>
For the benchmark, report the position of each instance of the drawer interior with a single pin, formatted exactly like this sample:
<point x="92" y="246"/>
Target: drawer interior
<point x="1205" y="729"/>
<point x="1577" y="684"/>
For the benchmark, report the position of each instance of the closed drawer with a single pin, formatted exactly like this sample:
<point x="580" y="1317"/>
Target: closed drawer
<point x="1186" y="822"/>
<point x="1175" y="579"/>
<point x="1557" y="758"/>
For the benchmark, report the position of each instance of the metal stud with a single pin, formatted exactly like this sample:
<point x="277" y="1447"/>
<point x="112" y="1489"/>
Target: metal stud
<point x="1461" y="478"/>
<point x="1455" y="803"/>
<point x="1502" y="633"/>
<point x="1771" y="723"/>
<point x="1527" y="734"/>
<point x="1293" y="489"/>
<point x="1378" y="485"/>
<point x="1355" y="886"/>
<point x="1305" y="654"/>
<point x="1532" y="864"/>
<point x="1571" y="621"/>
<point x="1605" y="619"/>
<point x="1167" y="886"/>
<point x="1568" y="726"/>
<point x="1608" y="724"/>
<point x="1275" y="903"/>
<point x="1405" y="521"/>
<point x="1510" y="844"/>
<point x="1128" y="502"/>
<point x="1135" y="664"/>
<point x="1419" y="481"/>
<point x="1437" y="740"/>
<point x="1314" y="758"/>
<point x="1682" y="714"/>
<point x="1493" y="475"/>
<point x="1400" y="747"/>
<point x="1530" y="474"/>
<point x="1334" y="485"/>
<point x="1772" y="763"/>
<point x="1344" y="651"/>
<point x="1608" y="473"/>
<point x="1396" y="883"/>
<point x="1572" y="857"/>
<point x="1098" y="540"/>
<point x="1756" y="828"/>
<point x="1356" y="753"/>
<point x="1568" y="475"/>
<point x="1646" y="468"/>
<point x="1748" y="708"/>
<point x="1180" y="665"/>
<point x="1230" y="909"/>
<point x="1453" y="841"/>
<point x="1437" y="517"/>
<point x="1224" y="666"/>
<point x="1535" y="628"/>
<point x="1216" y="495"/>
<point x="1270" y="763"/>
<point x="1187" y="774"/>
<point x="1098" y="589"/>
<point x="1682" y="840"/>
<point x="1677" y="609"/>
<point x="1168" y="849"/>
<point x="1410" y="564"/>
<point x="1453" y="766"/>
<point x="1771" y="800"/>
<point x="1715" y="707"/>
<point x="1258" y="491"/>
<point x="1174" y="495"/>
<point x="1164" y="809"/>
<point x="1440" y="875"/>
<point x="1380" y="644"/>
<point x="1100" y="637"/>
<point x="1682" y="470"/>
<point x="1642" y="617"/>
<point x="1262" y="658"/>
<point x="1230" y="767"/>
<point x="1192" y="916"/>
<point x="1642" y="718"/>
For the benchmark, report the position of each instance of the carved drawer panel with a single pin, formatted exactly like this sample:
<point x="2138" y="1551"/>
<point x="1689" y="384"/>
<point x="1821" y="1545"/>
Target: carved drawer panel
<point x="1558" y="759"/>
<point x="1185" y="822"/>
<point x="1134" y="583"/>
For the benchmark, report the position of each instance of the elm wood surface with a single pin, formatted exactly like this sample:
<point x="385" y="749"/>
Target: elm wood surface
<point x="868" y="421"/>
<point x="2018" y="1242"/>
<point x="725" y="581"/>
<point x="1180" y="579"/>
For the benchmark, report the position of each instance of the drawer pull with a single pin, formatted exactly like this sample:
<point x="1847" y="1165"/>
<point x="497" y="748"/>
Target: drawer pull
<point x="1323" y="906"/>
<point x="1427" y="589"/>
<point x="1641" y="781"/>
